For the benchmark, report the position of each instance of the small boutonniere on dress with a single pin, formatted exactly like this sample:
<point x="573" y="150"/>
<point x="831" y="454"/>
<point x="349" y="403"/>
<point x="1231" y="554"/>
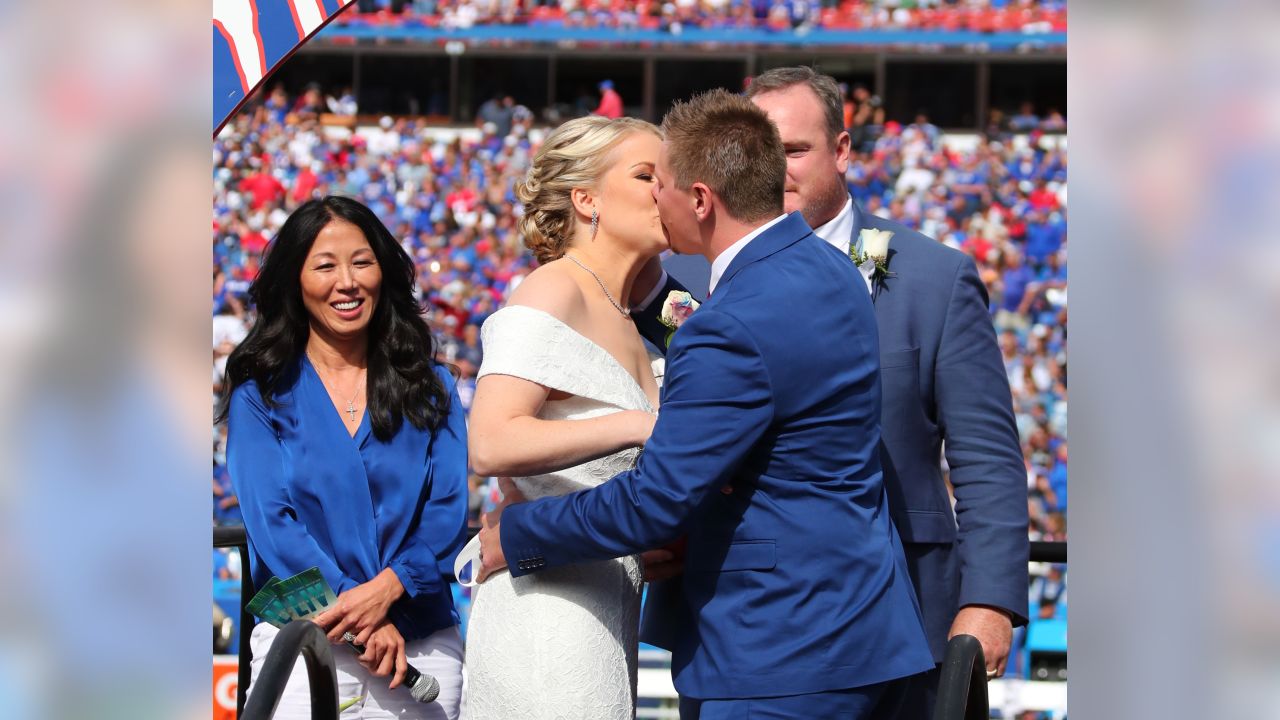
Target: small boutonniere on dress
<point x="873" y="248"/>
<point x="677" y="308"/>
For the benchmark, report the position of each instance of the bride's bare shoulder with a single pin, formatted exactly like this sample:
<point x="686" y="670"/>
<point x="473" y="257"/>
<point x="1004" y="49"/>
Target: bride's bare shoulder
<point x="551" y="289"/>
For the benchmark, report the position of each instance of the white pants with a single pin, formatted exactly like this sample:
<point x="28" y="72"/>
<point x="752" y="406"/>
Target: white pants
<point x="439" y="655"/>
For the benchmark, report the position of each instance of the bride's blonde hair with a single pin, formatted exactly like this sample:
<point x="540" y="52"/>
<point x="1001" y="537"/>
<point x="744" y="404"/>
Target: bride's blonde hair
<point x="575" y="155"/>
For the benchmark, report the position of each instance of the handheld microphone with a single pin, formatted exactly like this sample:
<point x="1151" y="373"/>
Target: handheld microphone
<point x="424" y="688"/>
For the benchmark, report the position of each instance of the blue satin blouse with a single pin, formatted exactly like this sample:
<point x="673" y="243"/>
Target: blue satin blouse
<point x="315" y="496"/>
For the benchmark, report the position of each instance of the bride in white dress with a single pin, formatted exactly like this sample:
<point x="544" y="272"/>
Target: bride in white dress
<point x="565" y="399"/>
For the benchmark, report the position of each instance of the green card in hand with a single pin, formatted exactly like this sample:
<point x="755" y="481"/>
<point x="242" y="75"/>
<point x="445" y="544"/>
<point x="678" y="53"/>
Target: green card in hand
<point x="300" y="597"/>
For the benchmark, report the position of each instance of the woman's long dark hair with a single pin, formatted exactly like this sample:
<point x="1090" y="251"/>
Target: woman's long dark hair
<point x="402" y="384"/>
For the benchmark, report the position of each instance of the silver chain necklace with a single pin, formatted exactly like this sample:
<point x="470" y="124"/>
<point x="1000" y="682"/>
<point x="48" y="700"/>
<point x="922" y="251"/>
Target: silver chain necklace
<point x="351" y="404"/>
<point x="626" y="312"/>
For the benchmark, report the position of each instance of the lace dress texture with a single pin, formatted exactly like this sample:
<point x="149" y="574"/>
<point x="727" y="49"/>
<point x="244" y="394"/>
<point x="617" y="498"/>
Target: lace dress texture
<point x="560" y="643"/>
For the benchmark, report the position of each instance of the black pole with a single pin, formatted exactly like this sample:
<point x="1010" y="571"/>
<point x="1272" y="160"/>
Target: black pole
<point x="300" y="637"/>
<point x="962" y="685"/>
<point x="1050" y="552"/>
<point x="244" y="652"/>
<point x="235" y="537"/>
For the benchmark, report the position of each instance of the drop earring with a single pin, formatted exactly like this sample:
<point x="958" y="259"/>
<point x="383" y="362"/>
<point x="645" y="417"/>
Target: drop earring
<point x="595" y="224"/>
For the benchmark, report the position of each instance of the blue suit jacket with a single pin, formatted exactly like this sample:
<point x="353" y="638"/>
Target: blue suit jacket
<point x="796" y="582"/>
<point x="942" y="378"/>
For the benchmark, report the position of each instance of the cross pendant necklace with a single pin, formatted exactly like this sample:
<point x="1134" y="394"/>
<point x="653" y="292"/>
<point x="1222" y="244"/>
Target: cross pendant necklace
<point x="351" y="404"/>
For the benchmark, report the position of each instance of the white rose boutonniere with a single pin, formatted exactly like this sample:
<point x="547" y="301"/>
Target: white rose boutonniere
<point x="875" y="249"/>
<point x="676" y="309"/>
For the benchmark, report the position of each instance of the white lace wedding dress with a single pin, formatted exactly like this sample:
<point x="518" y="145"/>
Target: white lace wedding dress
<point x="559" y="643"/>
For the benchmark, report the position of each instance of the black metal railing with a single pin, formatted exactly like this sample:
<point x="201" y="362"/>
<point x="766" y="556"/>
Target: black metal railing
<point x="235" y="537"/>
<point x="962" y="684"/>
<point x="963" y="680"/>
<point x="297" y="638"/>
<point x="1050" y="552"/>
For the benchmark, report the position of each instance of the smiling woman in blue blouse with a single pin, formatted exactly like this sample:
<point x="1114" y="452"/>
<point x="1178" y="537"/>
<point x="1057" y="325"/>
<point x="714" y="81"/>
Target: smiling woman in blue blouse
<point x="347" y="449"/>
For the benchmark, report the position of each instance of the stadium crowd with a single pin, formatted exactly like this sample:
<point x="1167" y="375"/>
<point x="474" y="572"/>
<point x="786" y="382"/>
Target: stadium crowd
<point x="999" y="196"/>
<point x="1026" y="16"/>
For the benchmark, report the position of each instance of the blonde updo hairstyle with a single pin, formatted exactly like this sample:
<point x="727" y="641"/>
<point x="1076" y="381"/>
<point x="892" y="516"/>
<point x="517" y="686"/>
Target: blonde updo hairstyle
<point x="575" y="155"/>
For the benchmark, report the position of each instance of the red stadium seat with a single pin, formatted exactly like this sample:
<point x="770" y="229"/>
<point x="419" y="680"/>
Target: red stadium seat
<point x="983" y="21"/>
<point x="950" y="20"/>
<point x="1006" y="20"/>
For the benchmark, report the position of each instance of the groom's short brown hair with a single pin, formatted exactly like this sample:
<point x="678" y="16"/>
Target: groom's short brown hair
<point x="726" y="142"/>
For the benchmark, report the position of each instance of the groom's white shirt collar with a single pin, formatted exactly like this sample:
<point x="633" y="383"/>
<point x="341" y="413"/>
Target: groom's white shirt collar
<point x="839" y="234"/>
<point x="722" y="260"/>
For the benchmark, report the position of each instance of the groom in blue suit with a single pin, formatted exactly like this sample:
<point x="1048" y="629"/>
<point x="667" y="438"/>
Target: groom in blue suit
<point x="942" y="379"/>
<point x="796" y="594"/>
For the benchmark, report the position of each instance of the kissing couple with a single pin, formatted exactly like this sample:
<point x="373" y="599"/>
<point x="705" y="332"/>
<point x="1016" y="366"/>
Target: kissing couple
<point x="756" y="494"/>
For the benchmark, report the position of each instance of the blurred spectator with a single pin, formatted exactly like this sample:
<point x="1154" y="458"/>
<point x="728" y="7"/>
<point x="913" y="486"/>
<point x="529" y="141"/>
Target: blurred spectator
<point x="1058" y="477"/>
<point x="382" y="141"/>
<point x="264" y="188"/>
<point x="277" y="104"/>
<point x="868" y="119"/>
<point x="469" y="352"/>
<point x="610" y="101"/>
<point x="1053" y="122"/>
<point x="498" y="110"/>
<point x="227" y="564"/>
<point x="1013" y="287"/>
<point x="310" y="105"/>
<point x="1026" y="120"/>
<point x="1049" y="590"/>
<point x="461" y="16"/>
<point x="229" y="328"/>
<point x="927" y="129"/>
<point x="226" y="506"/>
<point x="1045" y="234"/>
<point x="997" y="128"/>
<point x="344" y="104"/>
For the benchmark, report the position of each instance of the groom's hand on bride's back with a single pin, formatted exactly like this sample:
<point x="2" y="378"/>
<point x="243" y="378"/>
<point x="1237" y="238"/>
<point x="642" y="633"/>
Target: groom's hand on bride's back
<point x="491" y="557"/>
<point x="665" y="562"/>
